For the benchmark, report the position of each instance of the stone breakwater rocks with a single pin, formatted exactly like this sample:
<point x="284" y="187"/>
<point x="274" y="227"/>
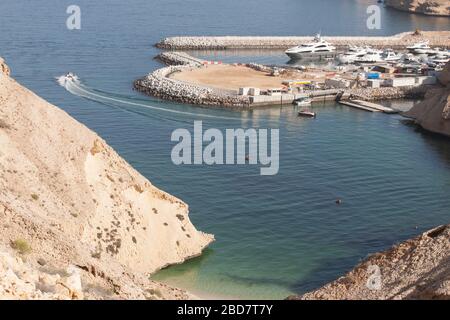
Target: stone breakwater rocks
<point x="159" y="84"/>
<point x="179" y="59"/>
<point x="435" y="38"/>
<point x="387" y="93"/>
<point x="259" y="67"/>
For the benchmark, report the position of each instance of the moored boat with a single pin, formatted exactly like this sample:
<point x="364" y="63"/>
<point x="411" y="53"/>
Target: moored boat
<point x="306" y="113"/>
<point x="319" y="47"/>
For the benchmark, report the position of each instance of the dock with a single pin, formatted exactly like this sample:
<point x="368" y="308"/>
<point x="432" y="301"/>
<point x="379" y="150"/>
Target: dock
<point x="367" y="106"/>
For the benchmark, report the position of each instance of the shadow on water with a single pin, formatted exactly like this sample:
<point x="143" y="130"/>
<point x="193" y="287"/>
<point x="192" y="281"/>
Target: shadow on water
<point x="437" y="142"/>
<point x="324" y="274"/>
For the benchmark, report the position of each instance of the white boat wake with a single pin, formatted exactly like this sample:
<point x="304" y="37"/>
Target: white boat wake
<point x="73" y="84"/>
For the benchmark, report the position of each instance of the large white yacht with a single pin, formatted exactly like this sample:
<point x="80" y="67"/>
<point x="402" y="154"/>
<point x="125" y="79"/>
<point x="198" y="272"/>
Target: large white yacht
<point x="316" y="48"/>
<point x="419" y="47"/>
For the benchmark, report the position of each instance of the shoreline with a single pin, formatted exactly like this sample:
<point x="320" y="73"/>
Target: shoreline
<point x="413" y="269"/>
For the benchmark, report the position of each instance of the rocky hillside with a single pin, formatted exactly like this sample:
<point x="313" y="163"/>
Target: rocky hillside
<point x="433" y="114"/>
<point x="67" y="198"/>
<point x="415" y="269"/>
<point x="429" y="7"/>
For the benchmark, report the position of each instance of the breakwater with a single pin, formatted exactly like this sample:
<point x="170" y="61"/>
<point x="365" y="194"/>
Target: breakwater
<point x="159" y="84"/>
<point x="435" y="38"/>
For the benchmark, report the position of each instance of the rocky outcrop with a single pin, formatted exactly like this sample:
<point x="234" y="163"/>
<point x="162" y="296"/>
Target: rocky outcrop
<point x="435" y="38"/>
<point x="4" y="67"/>
<point x="428" y="7"/>
<point x="21" y="279"/>
<point x="433" y="114"/>
<point x="415" y="269"/>
<point x="72" y="200"/>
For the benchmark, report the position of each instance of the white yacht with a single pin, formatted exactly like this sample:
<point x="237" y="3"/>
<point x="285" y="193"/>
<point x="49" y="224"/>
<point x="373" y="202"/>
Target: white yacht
<point x="390" y="56"/>
<point x="372" y="55"/>
<point x="440" y="52"/>
<point x="352" y="54"/>
<point x="316" y="48"/>
<point x="419" y="47"/>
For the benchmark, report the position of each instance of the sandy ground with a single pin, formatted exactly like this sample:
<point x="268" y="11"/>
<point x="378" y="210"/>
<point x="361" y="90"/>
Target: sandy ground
<point x="233" y="77"/>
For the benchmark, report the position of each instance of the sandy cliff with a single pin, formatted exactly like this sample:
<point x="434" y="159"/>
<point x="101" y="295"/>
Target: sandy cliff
<point x="415" y="269"/>
<point x="430" y="7"/>
<point x="433" y="114"/>
<point x="71" y="199"/>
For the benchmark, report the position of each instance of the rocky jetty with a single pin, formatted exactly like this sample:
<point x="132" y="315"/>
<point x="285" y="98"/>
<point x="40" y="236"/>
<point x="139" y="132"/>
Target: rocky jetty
<point x="388" y="93"/>
<point x="68" y="199"/>
<point x="433" y="114"/>
<point x="179" y="59"/>
<point x="159" y="84"/>
<point x="428" y="7"/>
<point x="415" y="269"/>
<point x="435" y="38"/>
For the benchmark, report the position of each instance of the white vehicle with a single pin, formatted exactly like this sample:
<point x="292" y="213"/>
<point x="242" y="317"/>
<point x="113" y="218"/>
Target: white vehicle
<point x="389" y="56"/>
<point x="352" y="54"/>
<point x="316" y="48"/>
<point x="419" y="46"/>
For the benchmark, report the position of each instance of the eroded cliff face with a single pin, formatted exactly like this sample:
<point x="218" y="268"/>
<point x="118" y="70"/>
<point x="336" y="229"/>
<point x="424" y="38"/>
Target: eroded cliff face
<point x="429" y="7"/>
<point x="433" y="114"/>
<point x="74" y="200"/>
<point x="415" y="269"/>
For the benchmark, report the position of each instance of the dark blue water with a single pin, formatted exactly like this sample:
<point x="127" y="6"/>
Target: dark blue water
<point x="276" y="235"/>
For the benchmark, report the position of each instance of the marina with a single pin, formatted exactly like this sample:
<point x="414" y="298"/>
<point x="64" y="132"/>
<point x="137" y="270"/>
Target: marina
<point x="357" y="71"/>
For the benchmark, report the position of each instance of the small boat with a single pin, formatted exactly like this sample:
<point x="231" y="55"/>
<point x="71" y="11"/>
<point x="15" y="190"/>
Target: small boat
<point x="306" y="113"/>
<point x="316" y="48"/>
<point x="303" y="102"/>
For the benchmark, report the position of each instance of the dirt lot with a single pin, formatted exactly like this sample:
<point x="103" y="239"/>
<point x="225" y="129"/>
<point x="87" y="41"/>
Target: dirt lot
<point x="233" y="77"/>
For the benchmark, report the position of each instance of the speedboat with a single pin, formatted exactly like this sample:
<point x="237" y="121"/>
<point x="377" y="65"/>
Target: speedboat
<point x="316" y="48"/>
<point x="303" y="102"/>
<point x="390" y="56"/>
<point x="419" y="47"/>
<point x="306" y="113"/>
<point x="352" y="54"/>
